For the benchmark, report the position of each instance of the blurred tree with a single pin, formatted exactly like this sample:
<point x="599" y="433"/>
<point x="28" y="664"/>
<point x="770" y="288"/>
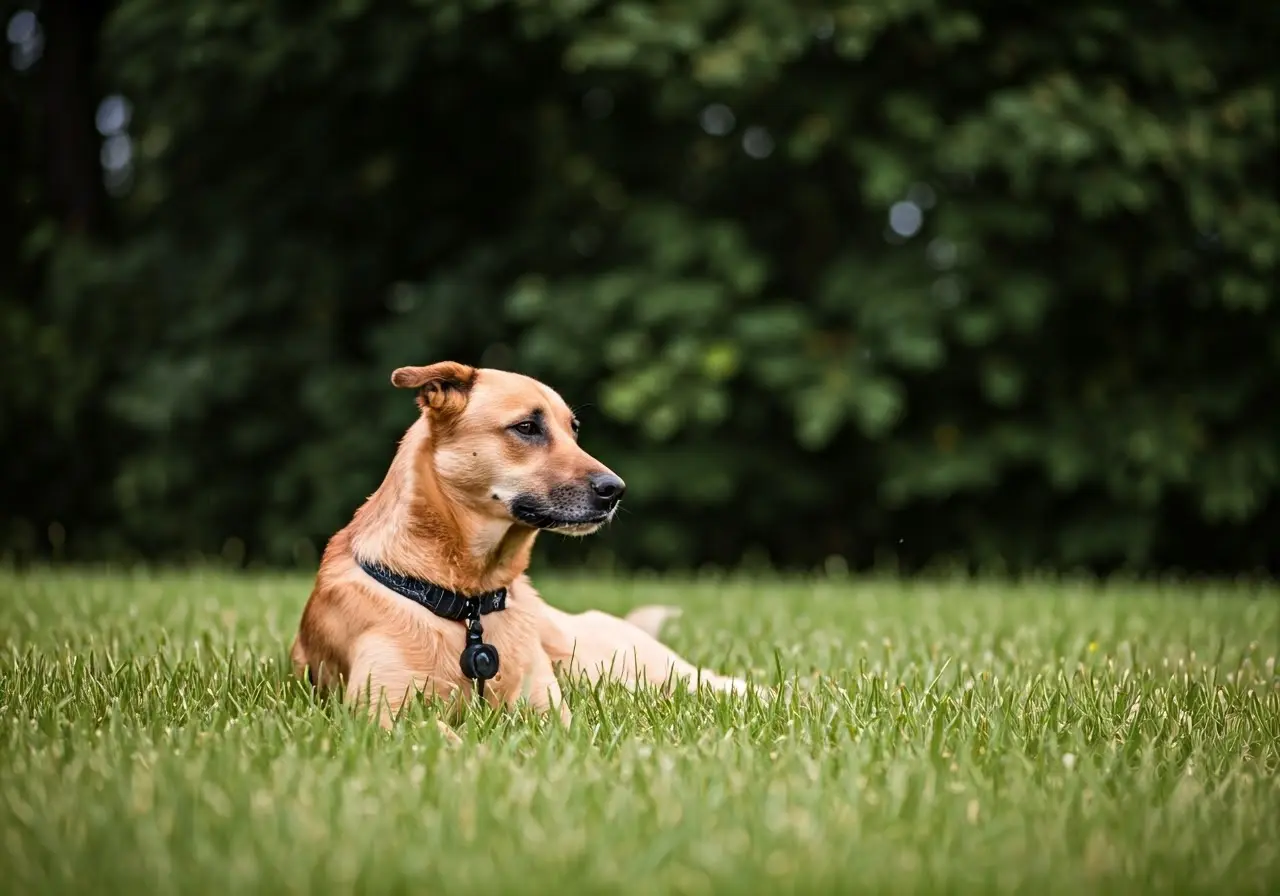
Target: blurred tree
<point x="53" y="361"/>
<point x="829" y="278"/>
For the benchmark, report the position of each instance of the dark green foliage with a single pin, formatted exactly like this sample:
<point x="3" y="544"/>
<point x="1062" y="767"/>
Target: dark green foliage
<point x="676" y="214"/>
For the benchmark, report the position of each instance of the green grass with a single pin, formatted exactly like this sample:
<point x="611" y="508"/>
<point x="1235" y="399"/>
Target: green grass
<point x="962" y="737"/>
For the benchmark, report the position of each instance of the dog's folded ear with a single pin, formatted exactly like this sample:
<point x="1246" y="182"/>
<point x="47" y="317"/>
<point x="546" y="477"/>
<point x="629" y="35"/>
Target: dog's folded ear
<point x="442" y="387"/>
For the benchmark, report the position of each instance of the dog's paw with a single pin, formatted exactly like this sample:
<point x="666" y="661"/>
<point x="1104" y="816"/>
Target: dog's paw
<point x="741" y="687"/>
<point x="451" y="737"/>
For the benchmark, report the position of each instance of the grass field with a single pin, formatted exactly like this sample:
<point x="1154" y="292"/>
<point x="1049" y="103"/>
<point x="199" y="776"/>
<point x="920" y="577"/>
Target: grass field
<point x="1047" y="738"/>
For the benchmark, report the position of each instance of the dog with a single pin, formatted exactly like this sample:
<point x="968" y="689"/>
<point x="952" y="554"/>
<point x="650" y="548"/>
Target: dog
<point x="425" y="590"/>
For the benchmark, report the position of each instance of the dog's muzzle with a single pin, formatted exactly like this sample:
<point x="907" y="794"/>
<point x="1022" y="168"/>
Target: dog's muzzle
<point x="571" y="509"/>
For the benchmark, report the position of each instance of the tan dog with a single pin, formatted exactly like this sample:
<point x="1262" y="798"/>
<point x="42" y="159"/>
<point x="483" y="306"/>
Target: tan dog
<point x="492" y="460"/>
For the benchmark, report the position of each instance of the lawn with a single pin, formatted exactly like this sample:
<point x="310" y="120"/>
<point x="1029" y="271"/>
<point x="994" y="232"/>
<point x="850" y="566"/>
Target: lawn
<point x="940" y="737"/>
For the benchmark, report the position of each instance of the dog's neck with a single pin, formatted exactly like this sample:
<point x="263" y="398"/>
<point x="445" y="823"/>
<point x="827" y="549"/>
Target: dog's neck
<point x="412" y="526"/>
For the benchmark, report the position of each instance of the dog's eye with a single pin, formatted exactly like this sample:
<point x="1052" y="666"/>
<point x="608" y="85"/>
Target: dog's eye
<point x="574" y="424"/>
<point x="528" y="428"/>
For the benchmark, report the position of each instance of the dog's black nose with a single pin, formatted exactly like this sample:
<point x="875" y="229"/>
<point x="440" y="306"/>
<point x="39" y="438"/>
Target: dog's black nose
<point x="607" y="488"/>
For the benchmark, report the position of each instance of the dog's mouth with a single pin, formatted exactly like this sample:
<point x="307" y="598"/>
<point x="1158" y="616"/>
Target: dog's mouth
<point x="579" y="528"/>
<point x="538" y="516"/>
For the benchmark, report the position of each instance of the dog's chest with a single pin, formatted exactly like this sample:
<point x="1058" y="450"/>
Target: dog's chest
<point x="512" y="631"/>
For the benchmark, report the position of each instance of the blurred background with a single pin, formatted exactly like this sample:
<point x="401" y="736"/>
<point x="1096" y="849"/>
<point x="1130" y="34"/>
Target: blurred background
<point x="832" y="284"/>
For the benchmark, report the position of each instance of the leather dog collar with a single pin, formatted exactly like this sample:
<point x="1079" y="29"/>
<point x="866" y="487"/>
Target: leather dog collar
<point x="439" y="600"/>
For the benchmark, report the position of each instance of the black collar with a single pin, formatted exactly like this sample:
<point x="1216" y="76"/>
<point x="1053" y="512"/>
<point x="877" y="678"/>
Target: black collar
<point x="441" y="601"/>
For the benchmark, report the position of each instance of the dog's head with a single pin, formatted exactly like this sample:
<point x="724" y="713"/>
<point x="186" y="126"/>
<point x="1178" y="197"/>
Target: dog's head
<point x="506" y="446"/>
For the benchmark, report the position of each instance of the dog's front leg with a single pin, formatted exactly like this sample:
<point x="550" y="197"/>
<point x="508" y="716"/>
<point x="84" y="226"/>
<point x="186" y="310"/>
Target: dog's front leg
<point x="383" y="685"/>
<point x="542" y="689"/>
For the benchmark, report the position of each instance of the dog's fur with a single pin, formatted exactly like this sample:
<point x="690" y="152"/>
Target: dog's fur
<point x="492" y="459"/>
